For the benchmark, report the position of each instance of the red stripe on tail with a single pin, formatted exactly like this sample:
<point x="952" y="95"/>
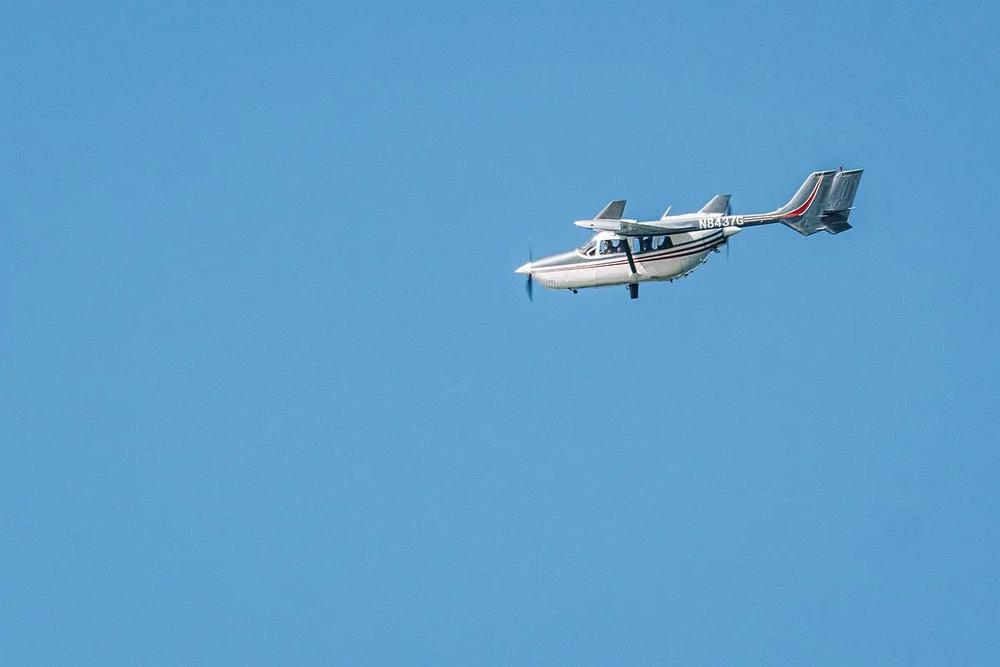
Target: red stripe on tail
<point x="805" y="207"/>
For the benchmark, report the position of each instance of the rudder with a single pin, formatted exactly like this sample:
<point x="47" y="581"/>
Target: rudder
<point x="840" y="201"/>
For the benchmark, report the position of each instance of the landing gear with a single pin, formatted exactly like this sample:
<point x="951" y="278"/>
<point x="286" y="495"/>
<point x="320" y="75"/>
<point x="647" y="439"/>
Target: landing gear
<point x="633" y="290"/>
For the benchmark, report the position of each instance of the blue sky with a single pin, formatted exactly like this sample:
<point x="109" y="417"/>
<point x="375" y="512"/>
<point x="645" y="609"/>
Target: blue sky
<point x="270" y="392"/>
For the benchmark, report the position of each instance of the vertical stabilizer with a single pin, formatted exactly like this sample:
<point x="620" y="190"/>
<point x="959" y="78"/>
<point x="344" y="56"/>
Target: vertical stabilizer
<point x="803" y="212"/>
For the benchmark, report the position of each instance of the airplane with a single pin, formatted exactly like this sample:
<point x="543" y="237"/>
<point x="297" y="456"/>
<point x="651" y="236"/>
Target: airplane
<point x="629" y="252"/>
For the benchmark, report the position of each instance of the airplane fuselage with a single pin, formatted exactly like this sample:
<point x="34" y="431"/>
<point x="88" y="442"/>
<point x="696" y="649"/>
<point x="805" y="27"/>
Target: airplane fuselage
<point x="599" y="264"/>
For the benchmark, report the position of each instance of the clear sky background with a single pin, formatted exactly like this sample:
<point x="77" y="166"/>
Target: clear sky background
<point x="270" y="392"/>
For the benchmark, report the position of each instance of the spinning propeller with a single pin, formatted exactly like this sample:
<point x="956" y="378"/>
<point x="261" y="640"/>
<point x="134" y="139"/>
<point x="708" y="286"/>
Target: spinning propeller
<point x="529" y="285"/>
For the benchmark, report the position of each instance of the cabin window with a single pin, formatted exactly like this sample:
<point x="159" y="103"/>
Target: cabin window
<point x="612" y="246"/>
<point x="589" y="249"/>
<point x="645" y="244"/>
<point x="663" y="242"/>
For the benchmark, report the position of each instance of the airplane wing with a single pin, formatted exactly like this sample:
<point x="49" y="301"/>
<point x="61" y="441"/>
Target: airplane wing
<point x="633" y="228"/>
<point x="630" y="228"/>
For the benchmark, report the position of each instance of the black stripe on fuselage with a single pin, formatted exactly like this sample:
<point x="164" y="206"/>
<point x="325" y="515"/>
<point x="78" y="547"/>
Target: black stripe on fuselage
<point x="674" y="252"/>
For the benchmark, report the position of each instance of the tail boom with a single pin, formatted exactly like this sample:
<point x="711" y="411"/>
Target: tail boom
<point x="824" y="202"/>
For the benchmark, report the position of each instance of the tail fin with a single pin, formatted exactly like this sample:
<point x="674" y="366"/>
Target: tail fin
<point x="805" y="210"/>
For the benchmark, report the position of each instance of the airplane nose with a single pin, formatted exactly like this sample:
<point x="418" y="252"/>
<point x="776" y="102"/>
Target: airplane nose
<point x="523" y="269"/>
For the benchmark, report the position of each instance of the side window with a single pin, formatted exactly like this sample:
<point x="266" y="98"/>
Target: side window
<point x="663" y="242"/>
<point x="612" y="247"/>
<point x="645" y="243"/>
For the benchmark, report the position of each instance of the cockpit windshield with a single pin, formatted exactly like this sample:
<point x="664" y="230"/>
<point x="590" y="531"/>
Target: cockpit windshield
<point x="588" y="248"/>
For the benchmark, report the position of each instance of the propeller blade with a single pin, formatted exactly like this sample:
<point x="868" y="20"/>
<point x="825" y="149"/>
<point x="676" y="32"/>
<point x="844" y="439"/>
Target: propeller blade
<point x="529" y="286"/>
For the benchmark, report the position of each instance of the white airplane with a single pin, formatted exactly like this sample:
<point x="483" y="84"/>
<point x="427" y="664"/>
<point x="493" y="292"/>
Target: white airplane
<point x="628" y="252"/>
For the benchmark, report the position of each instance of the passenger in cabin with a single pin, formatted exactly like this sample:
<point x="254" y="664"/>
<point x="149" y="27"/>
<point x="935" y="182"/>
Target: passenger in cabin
<point x="605" y="247"/>
<point x="645" y="243"/>
<point x="664" y="243"/>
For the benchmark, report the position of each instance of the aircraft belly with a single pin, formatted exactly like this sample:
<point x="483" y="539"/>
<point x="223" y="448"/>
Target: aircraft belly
<point x="573" y="278"/>
<point x="612" y="275"/>
<point x="666" y="269"/>
<point x="662" y="269"/>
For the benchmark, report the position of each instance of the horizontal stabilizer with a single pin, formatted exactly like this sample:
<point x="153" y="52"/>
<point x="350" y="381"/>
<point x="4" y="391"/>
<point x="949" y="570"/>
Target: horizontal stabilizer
<point x="718" y="204"/>
<point x="612" y="211"/>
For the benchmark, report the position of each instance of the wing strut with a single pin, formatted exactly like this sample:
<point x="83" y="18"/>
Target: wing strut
<point x="628" y="251"/>
<point x="633" y="287"/>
